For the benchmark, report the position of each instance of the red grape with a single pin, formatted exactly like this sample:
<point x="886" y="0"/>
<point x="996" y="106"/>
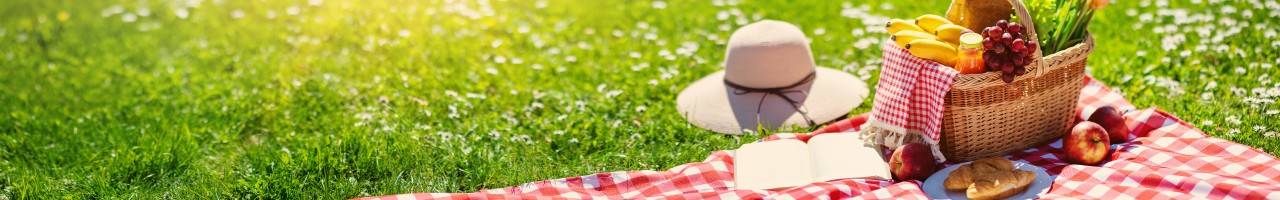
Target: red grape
<point x="1018" y="45"/>
<point x="1015" y="27"/>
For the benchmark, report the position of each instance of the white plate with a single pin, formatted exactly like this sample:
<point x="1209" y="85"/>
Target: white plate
<point x="933" y="186"/>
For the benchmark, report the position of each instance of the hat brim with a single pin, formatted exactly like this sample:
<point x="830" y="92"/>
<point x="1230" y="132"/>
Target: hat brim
<point x="710" y="104"/>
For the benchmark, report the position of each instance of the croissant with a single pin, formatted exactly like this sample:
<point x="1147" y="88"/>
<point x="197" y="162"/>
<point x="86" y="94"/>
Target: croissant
<point x="989" y="178"/>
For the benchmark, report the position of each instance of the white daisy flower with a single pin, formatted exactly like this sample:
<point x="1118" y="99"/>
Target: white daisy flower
<point x="237" y="14"/>
<point x="659" y="5"/>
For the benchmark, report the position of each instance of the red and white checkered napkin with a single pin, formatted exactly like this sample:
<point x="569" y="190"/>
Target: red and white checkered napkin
<point x="909" y="100"/>
<point x="1165" y="158"/>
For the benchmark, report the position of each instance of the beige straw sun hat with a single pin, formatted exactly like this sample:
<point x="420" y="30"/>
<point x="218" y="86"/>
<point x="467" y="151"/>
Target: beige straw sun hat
<point x="769" y="81"/>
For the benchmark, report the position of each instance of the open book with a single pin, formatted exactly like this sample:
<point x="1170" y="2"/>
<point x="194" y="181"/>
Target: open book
<point x="790" y="163"/>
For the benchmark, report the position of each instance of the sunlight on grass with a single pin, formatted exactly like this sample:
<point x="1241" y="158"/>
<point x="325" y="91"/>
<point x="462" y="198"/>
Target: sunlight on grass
<point x="335" y="99"/>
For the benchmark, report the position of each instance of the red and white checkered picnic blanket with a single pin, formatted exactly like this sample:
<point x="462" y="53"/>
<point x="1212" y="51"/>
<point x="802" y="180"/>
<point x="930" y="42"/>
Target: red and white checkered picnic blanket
<point x="1166" y="158"/>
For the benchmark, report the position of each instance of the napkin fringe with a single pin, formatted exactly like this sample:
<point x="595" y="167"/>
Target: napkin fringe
<point x="891" y="137"/>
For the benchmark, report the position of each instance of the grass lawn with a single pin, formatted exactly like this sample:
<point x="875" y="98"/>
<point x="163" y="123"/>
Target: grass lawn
<point x="339" y="98"/>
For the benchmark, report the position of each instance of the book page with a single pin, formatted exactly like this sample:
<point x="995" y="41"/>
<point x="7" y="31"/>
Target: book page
<point x="844" y="155"/>
<point x="773" y="164"/>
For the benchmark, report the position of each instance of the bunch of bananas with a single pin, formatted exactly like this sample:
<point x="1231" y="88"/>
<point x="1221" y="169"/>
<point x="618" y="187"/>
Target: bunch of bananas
<point x="931" y="37"/>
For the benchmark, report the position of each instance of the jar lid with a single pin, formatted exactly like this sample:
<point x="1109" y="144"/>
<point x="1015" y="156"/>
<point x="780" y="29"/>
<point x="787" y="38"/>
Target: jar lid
<point x="971" y="40"/>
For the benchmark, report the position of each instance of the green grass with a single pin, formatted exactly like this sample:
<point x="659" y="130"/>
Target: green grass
<point x="354" y="98"/>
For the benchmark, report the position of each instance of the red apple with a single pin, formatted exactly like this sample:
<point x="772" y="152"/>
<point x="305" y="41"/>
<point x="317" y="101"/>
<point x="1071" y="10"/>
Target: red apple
<point x="1087" y="144"/>
<point x="1113" y="121"/>
<point x="912" y="161"/>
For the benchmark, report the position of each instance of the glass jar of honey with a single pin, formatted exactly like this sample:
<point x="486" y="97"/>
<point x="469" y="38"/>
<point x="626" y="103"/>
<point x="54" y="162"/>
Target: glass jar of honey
<point x="970" y="59"/>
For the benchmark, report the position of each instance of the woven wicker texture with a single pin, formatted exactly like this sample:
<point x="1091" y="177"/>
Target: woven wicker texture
<point x="984" y="116"/>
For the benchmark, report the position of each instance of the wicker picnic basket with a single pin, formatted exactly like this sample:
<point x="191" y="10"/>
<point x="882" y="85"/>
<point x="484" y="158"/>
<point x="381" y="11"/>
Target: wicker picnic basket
<point x="984" y="116"/>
